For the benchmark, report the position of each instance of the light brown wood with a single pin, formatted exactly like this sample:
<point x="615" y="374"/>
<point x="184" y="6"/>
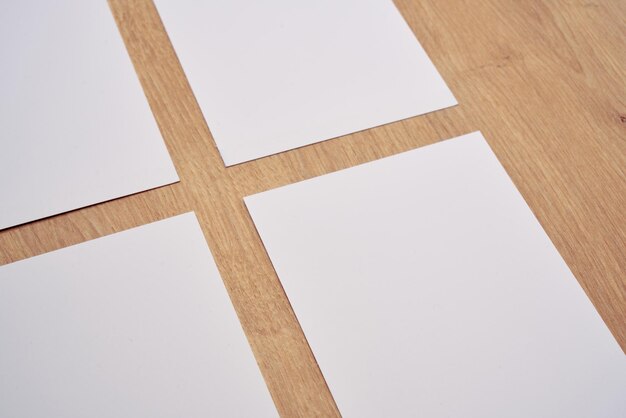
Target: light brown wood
<point x="544" y="80"/>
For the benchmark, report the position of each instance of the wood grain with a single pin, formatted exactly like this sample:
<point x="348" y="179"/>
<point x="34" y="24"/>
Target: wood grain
<point x="544" y="80"/>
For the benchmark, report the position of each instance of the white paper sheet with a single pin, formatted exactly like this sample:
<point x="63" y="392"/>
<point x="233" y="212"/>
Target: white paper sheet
<point x="75" y="126"/>
<point x="275" y="75"/>
<point x="426" y="287"/>
<point x="135" y="324"/>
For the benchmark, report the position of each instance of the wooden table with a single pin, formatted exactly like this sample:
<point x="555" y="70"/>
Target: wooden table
<point x="545" y="81"/>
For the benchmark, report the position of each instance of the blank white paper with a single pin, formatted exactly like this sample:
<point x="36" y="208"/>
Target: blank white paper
<point x="426" y="287"/>
<point x="275" y="75"/>
<point x="75" y="126"/>
<point x="134" y="324"/>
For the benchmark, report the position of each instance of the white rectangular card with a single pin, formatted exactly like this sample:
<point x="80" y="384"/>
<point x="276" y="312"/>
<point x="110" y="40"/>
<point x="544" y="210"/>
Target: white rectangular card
<point x="75" y="126"/>
<point x="426" y="287"/>
<point x="134" y="324"/>
<point x="275" y="75"/>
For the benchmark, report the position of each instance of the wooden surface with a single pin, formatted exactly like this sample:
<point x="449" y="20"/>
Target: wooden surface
<point x="545" y="81"/>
